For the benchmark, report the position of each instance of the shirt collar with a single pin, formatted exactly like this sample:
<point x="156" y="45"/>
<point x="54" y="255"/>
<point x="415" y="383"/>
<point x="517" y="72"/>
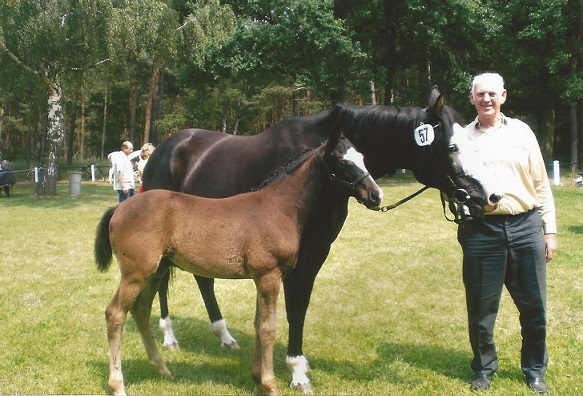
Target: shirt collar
<point x="477" y="126"/>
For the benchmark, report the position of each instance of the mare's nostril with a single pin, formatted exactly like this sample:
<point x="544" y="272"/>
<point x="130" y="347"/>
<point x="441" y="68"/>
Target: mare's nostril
<point x="375" y="196"/>
<point x="495" y="198"/>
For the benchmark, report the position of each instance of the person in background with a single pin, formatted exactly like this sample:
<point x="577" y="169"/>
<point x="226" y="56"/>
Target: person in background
<point x="123" y="172"/>
<point x="511" y="245"/>
<point x="145" y="153"/>
<point x="7" y="177"/>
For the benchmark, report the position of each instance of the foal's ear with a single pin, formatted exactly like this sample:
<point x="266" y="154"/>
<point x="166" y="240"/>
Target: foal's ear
<point x="333" y="141"/>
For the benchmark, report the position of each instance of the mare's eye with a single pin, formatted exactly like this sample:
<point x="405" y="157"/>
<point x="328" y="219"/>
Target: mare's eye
<point x="453" y="148"/>
<point x="342" y="164"/>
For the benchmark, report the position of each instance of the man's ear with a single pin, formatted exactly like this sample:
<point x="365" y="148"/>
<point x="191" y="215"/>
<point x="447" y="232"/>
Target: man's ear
<point x="503" y="97"/>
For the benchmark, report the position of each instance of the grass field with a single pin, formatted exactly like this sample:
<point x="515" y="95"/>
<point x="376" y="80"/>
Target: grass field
<point x="387" y="315"/>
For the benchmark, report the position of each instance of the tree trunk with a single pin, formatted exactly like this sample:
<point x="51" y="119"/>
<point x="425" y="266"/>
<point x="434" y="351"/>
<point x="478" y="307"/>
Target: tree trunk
<point x="1" y="119"/>
<point x="54" y="138"/>
<point x="104" y="124"/>
<point x="133" y="108"/>
<point x="151" y="94"/>
<point x="82" y="139"/>
<point x="157" y="108"/>
<point x="574" y="136"/>
<point x="71" y="139"/>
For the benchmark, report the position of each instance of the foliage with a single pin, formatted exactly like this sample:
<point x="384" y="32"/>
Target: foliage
<point x="239" y="66"/>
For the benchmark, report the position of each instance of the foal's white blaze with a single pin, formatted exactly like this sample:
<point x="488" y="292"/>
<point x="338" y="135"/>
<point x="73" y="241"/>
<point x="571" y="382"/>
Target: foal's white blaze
<point x="358" y="159"/>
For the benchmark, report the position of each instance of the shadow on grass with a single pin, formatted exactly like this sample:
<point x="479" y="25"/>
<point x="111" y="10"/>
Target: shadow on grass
<point x="397" y="363"/>
<point x="227" y="366"/>
<point x="578" y="229"/>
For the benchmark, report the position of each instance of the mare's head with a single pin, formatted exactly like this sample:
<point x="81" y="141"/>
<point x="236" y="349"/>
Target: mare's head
<point x="441" y="165"/>
<point x="346" y="169"/>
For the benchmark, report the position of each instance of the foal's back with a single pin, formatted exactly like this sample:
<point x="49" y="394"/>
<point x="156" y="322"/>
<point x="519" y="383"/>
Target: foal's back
<point x="237" y="237"/>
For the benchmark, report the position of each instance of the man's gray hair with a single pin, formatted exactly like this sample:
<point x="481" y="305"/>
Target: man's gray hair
<point x="492" y="77"/>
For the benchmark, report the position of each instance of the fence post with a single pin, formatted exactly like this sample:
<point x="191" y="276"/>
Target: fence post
<point x="556" y="173"/>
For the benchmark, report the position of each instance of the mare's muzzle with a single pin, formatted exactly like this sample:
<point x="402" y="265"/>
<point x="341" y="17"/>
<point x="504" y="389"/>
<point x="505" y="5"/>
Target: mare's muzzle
<point x="461" y="196"/>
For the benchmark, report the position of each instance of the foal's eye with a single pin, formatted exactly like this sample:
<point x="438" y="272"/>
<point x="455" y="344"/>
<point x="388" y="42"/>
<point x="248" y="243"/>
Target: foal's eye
<point x="342" y="163"/>
<point x="453" y="148"/>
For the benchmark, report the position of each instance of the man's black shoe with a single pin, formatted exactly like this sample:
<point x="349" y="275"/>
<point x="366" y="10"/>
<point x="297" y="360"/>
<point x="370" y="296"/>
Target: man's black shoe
<point x="480" y="383"/>
<point x="537" y="385"/>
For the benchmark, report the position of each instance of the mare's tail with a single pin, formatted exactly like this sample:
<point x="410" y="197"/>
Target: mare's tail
<point x="103" y="252"/>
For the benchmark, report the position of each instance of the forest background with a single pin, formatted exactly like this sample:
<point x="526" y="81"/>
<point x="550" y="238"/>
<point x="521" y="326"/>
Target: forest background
<point x="78" y="77"/>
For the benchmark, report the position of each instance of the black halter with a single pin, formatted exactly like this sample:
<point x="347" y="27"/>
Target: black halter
<point x="335" y="180"/>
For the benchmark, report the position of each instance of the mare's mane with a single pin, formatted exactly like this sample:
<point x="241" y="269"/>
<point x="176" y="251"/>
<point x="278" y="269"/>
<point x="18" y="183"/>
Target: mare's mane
<point x="366" y="121"/>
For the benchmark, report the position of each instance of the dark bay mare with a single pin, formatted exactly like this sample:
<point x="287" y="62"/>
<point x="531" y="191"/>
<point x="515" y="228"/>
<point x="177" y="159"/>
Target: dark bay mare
<point x="214" y="164"/>
<point x="255" y="235"/>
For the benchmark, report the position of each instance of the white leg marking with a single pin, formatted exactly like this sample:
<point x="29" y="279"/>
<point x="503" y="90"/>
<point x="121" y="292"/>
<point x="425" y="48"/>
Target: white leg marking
<point x="298" y="366"/>
<point x="220" y="331"/>
<point x="170" y="341"/>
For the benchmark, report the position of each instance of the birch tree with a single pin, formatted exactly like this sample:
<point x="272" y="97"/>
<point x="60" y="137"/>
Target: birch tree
<point x="48" y="39"/>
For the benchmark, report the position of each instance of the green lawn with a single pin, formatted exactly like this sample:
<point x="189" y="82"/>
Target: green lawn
<point x="387" y="315"/>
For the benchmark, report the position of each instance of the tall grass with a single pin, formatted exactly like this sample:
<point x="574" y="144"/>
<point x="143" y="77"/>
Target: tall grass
<point x="387" y="314"/>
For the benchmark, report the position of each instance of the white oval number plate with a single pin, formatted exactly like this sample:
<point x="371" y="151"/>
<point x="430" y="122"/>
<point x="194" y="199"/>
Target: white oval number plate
<point x="424" y="135"/>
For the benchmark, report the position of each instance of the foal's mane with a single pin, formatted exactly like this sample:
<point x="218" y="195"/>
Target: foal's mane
<point x="287" y="167"/>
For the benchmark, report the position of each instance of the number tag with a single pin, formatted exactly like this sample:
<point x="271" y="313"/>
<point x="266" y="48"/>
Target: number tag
<point x="424" y="135"/>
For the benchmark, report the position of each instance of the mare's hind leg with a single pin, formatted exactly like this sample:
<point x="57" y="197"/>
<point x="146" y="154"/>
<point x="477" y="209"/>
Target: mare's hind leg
<point x="141" y="311"/>
<point x="218" y="324"/>
<point x="170" y="340"/>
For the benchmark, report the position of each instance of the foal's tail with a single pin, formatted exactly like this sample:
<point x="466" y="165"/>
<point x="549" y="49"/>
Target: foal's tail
<point x="103" y="252"/>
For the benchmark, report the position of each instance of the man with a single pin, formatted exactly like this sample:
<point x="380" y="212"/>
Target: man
<point x="512" y="244"/>
<point x="7" y="177"/>
<point x="123" y="171"/>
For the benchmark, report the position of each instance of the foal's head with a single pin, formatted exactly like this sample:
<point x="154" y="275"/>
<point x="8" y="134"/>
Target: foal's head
<point x="347" y="170"/>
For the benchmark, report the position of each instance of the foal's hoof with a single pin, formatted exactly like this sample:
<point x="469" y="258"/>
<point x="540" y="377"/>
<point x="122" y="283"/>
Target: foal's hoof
<point x="231" y="345"/>
<point x="305" y="388"/>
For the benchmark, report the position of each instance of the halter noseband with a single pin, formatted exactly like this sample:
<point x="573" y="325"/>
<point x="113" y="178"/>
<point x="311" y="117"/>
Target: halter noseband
<point x="349" y="186"/>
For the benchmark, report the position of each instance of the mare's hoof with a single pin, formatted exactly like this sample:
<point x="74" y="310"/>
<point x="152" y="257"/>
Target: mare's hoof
<point x="231" y="345"/>
<point x="305" y="388"/>
<point x="173" y="346"/>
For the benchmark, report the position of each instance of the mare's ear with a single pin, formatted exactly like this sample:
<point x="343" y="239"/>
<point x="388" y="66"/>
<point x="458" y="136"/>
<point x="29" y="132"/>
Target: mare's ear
<point x="333" y="141"/>
<point x="436" y="100"/>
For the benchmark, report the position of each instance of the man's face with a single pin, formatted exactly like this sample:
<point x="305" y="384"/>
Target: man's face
<point x="487" y="97"/>
<point x="127" y="150"/>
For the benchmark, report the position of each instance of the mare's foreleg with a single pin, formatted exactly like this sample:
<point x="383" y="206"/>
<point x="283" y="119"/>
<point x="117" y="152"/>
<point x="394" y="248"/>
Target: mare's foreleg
<point x="170" y="340"/>
<point x="218" y="324"/>
<point x="265" y="327"/>
<point x="141" y="311"/>
<point x="298" y="286"/>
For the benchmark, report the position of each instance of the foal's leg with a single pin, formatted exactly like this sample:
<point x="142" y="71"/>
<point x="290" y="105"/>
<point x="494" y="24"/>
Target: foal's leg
<point x="218" y="324"/>
<point x="141" y="311"/>
<point x="265" y="326"/>
<point x="115" y="317"/>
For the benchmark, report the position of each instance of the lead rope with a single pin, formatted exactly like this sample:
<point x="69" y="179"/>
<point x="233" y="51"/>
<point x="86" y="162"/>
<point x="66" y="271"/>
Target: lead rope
<point x="393" y="206"/>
